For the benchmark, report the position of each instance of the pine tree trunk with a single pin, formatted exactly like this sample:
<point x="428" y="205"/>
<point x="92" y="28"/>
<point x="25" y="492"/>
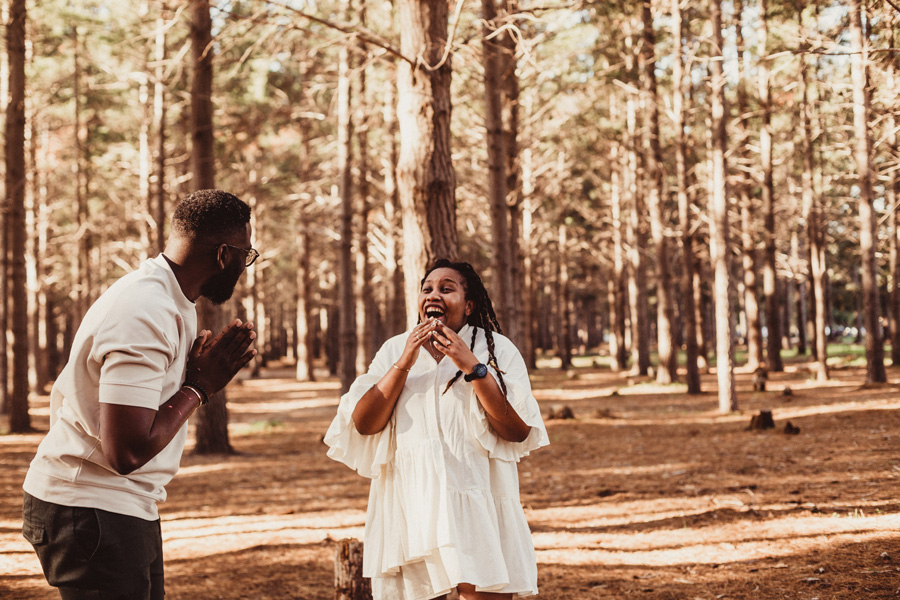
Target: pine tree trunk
<point x="509" y="82"/>
<point x="875" y="372"/>
<point x="212" y="419"/>
<point x="304" y="330"/>
<point x="563" y="314"/>
<point x="158" y="208"/>
<point x="688" y="258"/>
<point x="497" y="177"/>
<point x="665" y="344"/>
<point x="748" y="208"/>
<point x="365" y="304"/>
<point x="347" y="312"/>
<point x="814" y="223"/>
<point x="396" y="313"/>
<point x="770" y="276"/>
<point x="425" y="176"/>
<point x="637" y="281"/>
<point x="718" y="224"/>
<point x="529" y="332"/>
<point x="892" y="189"/>
<point x="19" y="418"/>
<point x="619" y="282"/>
<point x="82" y="273"/>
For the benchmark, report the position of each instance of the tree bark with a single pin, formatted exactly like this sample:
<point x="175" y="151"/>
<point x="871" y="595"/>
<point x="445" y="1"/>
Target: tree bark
<point x="770" y="276"/>
<point x="529" y="333"/>
<point x="665" y="344"/>
<point x="365" y="304"/>
<point x="19" y="418"/>
<point x="875" y="372"/>
<point x="425" y="176"/>
<point x="347" y="312"/>
<point x="892" y="191"/>
<point x="563" y="314"/>
<point x="158" y="208"/>
<point x="396" y="315"/>
<point x="509" y="81"/>
<point x="637" y="282"/>
<point x="718" y="224"/>
<point x="688" y="258"/>
<point x="814" y="221"/>
<point x="212" y="420"/>
<point x="748" y="208"/>
<point x="619" y="282"/>
<point x="349" y="583"/>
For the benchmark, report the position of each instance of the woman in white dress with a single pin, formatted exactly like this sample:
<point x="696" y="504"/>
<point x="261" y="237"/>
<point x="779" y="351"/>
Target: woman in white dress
<point x="438" y="423"/>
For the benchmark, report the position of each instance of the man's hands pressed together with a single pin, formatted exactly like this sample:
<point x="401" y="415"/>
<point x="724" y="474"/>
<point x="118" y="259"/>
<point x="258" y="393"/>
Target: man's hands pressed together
<point x="131" y="436"/>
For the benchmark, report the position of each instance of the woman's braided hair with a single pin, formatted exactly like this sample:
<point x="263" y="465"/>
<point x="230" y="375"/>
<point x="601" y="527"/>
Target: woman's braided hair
<point x="482" y="317"/>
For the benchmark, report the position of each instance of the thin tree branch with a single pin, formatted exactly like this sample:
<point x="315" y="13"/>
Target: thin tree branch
<point x="362" y="33"/>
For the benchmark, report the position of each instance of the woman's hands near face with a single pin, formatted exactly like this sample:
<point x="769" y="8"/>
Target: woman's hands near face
<point x="448" y="343"/>
<point x="417" y="337"/>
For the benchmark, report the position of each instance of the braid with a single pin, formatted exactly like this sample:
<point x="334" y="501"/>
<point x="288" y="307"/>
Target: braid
<point x="483" y="317"/>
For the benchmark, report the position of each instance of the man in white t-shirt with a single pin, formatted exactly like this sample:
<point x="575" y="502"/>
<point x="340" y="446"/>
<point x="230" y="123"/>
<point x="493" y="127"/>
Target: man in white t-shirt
<point x="119" y="409"/>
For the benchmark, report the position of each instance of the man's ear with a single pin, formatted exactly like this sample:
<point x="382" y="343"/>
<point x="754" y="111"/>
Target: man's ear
<point x="220" y="256"/>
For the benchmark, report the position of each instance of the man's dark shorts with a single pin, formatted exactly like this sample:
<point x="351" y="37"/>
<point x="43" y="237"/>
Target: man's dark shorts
<point x="92" y="553"/>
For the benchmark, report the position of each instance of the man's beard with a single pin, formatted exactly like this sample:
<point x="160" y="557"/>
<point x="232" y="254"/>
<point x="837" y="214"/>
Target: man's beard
<point x="219" y="288"/>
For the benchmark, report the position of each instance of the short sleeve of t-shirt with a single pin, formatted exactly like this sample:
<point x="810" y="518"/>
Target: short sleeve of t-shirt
<point x="135" y="347"/>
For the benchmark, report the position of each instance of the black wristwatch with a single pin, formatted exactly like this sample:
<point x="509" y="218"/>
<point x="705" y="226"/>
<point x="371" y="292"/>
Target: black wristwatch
<point x="478" y="372"/>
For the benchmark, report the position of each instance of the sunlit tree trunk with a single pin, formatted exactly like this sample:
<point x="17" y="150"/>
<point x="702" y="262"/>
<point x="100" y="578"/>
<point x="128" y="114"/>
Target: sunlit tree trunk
<point x="425" y="175"/>
<point x="688" y="258"/>
<point x="347" y="312"/>
<point x="892" y="189"/>
<point x="656" y="194"/>
<point x="799" y="280"/>
<point x="563" y="313"/>
<point x="82" y="270"/>
<point x="365" y="296"/>
<point x="509" y="81"/>
<point x="748" y="208"/>
<point x="19" y="418"/>
<point x="158" y="204"/>
<point x="212" y="419"/>
<point x="529" y="334"/>
<point x="40" y="345"/>
<point x="770" y="275"/>
<point x="304" y="330"/>
<point x="396" y="313"/>
<point x="875" y="372"/>
<point x="637" y="282"/>
<point x="492" y="57"/>
<point x="618" y="284"/>
<point x="718" y="224"/>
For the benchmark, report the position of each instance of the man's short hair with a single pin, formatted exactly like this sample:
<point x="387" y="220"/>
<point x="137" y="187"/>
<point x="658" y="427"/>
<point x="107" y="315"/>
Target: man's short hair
<point x="210" y="214"/>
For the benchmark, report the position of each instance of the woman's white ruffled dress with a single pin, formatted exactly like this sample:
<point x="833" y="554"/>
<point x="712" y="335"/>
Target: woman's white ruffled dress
<point x="444" y="501"/>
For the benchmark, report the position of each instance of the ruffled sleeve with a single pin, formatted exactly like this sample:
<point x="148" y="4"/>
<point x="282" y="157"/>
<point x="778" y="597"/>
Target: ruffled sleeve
<point x="520" y="398"/>
<point x="368" y="455"/>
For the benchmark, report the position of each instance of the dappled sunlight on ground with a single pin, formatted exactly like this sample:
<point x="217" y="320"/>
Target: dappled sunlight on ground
<point x="647" y="492"/>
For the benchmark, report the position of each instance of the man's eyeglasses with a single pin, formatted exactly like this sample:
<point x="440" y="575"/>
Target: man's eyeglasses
<point x="249" y="255"/>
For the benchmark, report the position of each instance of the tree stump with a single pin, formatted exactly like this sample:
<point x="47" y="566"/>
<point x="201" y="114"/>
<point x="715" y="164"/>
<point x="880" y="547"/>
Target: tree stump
<point x="349" y="583"/>
<point x="560" y="411"/>
<point x="763" y="420"/>
<point x="760" y="375"/>
<point x="791" y="429"/>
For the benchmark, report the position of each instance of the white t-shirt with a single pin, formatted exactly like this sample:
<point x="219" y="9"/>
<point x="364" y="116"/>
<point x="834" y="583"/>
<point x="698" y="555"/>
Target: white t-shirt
<point x="130" y="349"/>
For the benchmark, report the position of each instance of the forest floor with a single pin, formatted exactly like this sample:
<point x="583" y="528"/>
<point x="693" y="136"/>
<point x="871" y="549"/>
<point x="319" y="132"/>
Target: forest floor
<point x="648" y="493"/>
